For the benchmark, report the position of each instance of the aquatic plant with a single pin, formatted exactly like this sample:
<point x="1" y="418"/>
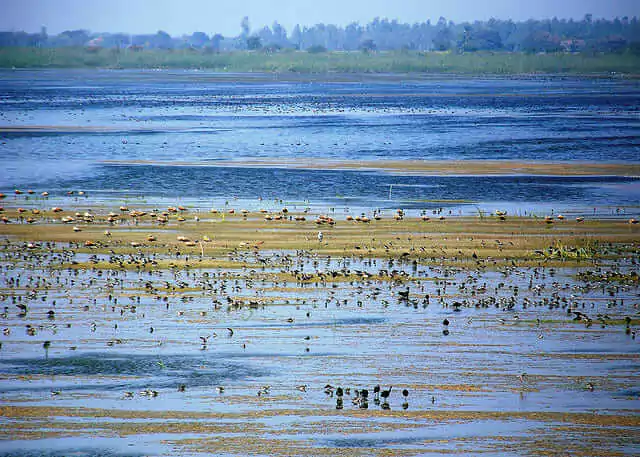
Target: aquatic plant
<point x="564" y="252"/>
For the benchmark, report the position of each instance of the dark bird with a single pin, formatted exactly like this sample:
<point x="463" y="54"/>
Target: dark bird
<point x="385" y="393"/>
<point x="579" y="316"/>
<point x="376" y="390"/>
<point x="445" y="322"/>
<point x="405" y="393"/>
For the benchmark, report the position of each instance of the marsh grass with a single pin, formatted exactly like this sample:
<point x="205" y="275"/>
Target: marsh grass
<point x="290" y="61"/>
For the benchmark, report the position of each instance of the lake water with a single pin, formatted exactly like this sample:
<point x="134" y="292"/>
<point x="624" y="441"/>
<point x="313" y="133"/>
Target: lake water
<point x="235" y="359"/>
<point x="90" y="117"/>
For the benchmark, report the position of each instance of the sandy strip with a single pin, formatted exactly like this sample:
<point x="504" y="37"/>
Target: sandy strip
<point x="423" y="167"/>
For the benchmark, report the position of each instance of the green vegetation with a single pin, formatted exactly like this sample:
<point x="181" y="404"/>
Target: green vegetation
<point x="588" y="250"/>
<point x="305" y="62"/>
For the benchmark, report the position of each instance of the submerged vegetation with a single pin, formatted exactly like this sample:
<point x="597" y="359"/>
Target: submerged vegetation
<point x="290" y="61"/>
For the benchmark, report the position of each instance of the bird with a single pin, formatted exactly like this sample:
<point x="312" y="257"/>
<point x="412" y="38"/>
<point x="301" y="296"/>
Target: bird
<point x="405" y="393"/>
<point x="445" y="322"/>
<point x="403" y="294"/>
<point x="376" y="391"/>
<point x="320" y="237"/>
<point x="385" y="393"/>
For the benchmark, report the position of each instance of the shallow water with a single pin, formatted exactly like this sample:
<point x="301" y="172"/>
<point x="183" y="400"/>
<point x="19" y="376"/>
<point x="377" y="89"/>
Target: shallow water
<point x="344" y="336"/>
<point x="203" y="118"/>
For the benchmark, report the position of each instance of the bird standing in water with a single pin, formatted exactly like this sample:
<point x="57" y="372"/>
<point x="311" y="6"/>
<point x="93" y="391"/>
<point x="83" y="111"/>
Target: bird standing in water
<point x="385" y="394"/>
<point x="320" y="237"/>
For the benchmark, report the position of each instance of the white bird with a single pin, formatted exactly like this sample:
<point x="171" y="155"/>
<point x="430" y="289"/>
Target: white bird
<point x="320" y="237"/>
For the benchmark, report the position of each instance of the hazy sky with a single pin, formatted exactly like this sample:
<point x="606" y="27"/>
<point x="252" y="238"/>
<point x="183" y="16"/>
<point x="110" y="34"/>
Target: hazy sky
<point x="223" y="16"/>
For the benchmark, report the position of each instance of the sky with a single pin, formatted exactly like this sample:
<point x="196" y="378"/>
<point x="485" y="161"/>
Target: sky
<point x="179" y="17"/>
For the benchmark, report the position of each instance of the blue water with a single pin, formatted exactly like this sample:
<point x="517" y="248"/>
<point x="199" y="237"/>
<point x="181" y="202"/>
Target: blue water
<point x="201" y="118"/>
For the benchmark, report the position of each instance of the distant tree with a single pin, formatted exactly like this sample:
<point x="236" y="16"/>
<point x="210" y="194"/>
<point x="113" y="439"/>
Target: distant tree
<point x="316" y="49"/>
<point x="443" y="39"/>
<point x="634" y="48"/>
<point x="368" y="46"/>
<point x="475" y="40"/>
<point x="215" y="42"/>
<point x="198" y="39"/>
<point x="162" y="40"/>
<point x="352" y="36"/>
<point x="265" y="35"/>
<point x="74" y="37"/>
<point x="541" y="41"/>
<point x="296" y="37"/>
<point x="244" y="27"/>
<point x="23" y="39"/>
<point x="279" y="34"/>
<point x="254" y="43"/>
<point x="612" y="43"/>
<point x="549" y="35"/>
<point x="271" y="47"/>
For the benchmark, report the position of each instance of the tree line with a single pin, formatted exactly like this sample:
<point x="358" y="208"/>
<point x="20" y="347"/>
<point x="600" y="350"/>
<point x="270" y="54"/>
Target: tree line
<point x="549" y="35"/>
